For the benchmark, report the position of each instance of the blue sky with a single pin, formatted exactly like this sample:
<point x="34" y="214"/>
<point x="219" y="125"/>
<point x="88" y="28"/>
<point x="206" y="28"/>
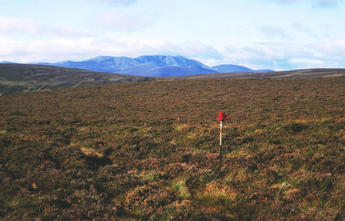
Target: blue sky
<point x="260" y="34"/>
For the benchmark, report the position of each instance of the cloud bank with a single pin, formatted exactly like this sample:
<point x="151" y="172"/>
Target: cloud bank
<point x="10" y="25"/>
<point x="278" y="56"/>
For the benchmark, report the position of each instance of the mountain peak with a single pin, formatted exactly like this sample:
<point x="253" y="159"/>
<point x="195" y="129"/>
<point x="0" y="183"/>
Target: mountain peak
<point x="166" y="60"/>
<point x="231" y="68"/>
<point x="101" y="58"/>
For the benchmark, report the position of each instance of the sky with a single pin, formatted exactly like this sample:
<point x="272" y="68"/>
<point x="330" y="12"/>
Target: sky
<point x="259" y="34"/>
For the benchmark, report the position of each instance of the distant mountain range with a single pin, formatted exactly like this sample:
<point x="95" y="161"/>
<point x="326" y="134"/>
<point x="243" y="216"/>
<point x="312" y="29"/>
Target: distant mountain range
<point x="152" y="66"/>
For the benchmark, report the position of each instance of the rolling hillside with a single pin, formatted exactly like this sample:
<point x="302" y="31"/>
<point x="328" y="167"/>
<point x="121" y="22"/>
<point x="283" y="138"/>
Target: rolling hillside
<point x="303" y="73"/>
<point x="149" y="151"/>
<point x="17" y="78"/>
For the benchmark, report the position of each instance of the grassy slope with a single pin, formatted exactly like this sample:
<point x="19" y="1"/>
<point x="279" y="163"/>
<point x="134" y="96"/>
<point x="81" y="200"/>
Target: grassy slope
<point x="149" y="151"/>
<point x="303" y="73"/>
<point x="17" y="78"/>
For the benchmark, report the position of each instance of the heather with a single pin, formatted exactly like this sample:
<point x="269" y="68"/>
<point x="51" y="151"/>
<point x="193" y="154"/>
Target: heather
<point x="149" y="151"/>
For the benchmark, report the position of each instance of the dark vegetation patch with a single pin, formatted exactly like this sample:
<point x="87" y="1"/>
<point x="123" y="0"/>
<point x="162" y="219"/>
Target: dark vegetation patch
<point x="19" y="78"/>
<point x="149" y="151"/>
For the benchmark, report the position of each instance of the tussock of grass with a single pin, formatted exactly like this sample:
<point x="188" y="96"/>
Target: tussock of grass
<point x="181" y="189"/>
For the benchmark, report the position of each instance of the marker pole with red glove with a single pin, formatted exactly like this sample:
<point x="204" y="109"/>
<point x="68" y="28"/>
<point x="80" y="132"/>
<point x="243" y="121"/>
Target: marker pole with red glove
<point x="220" y="146"/>
<point x="222" y="117"/>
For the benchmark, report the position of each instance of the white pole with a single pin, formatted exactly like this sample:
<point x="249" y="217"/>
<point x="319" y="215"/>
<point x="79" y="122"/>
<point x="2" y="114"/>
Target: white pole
<point x="221" y="131"/>
<point x="220" y="147"/>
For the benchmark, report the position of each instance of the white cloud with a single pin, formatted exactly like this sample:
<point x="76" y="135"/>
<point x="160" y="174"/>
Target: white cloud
<point x="335" y="47"/>
<point x="274" y="32"/>
<point x="305" y="30"/>
<point x="122" y="21"/>
<point x="57" y="49"/>
<point x="307" y="63"/>
<point x="19" y="25"/>
<point x="191" y="49"/>
<point x="44" y="50"/>
<point x="282" y="56"/>
<point x="152" y="46"/>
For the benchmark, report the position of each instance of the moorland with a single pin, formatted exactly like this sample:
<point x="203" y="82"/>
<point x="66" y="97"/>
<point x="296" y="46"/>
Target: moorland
<point x="21" y="78"/>
<point x="149" y="151"/>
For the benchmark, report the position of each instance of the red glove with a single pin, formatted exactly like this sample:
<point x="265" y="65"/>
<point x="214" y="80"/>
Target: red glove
<point x="222" y="116"/>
